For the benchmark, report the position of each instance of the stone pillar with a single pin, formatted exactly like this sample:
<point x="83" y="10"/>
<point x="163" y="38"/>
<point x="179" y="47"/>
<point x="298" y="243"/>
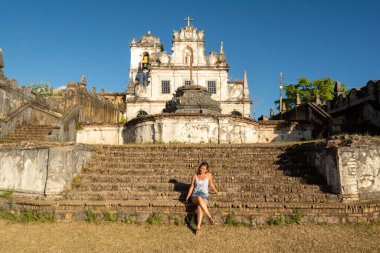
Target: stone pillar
<point x="298" y="100"/>
<point x="1" y="63"/>
<point x="338" y="89"/>
<point x="1" y="59"/>
<point x="317" y="99"/>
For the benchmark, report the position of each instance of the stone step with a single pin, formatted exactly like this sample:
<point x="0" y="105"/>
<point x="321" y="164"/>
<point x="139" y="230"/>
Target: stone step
<point x="286" y="197"/>
<point x="173" y="210"/>
<point x="28" y="133"/>
<point x="187" y="163"/>
<point x="186" y="177"/>
<point x="182" y="185"/>
<point x="142" y="154"/>
<point x="219" y="176"/>
<point x="148" y="159"/>
<point x="229" y="187"/>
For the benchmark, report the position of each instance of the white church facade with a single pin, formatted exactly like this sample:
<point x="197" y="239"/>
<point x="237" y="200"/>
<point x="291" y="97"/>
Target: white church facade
<point x="155" y="75"/>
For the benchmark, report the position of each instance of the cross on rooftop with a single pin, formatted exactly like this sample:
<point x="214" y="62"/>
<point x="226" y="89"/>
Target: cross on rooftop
<point x="188" y="19"/>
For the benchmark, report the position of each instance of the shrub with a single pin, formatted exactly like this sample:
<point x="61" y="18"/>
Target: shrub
<point x="28" y="216"/>
<point x="91" y="217"/>
<point x="155" y="219"/>
<point x="129" y="219"/>
<point x="111" y="217"/>
<point x="77" y="180"/>
<point x="230" y="220"/>
<point x="277" y="221"/>
<point x="298" y="216"/>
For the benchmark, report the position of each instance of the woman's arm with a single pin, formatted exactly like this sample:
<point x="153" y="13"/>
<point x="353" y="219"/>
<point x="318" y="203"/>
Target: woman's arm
<point x="212" y="183"/>
<point x="191" y="188"/>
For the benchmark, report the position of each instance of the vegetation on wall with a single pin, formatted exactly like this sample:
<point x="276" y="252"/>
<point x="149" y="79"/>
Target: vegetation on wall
<point x="43" y="89"/>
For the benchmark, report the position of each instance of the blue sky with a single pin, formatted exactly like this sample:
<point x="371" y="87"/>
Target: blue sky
<point x="58" y="41"/>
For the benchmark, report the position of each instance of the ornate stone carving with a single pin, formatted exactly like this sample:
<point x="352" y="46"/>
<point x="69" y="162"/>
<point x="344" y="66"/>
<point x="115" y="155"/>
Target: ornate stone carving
<point x="192" y="99"/>
<point x="164" y="58"/>
<point x="213" y="58"/>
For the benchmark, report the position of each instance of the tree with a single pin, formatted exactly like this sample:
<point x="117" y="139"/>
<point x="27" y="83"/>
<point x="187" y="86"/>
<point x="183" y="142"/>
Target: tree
<point x="43" y="89"/>
<point x="307" y="90"/>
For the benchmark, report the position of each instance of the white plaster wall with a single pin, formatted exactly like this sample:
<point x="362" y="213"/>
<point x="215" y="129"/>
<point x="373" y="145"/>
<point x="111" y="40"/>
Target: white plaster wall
<point x="24" y="170"/>
<point x="193" y="129"/>
<point x="40" y="170"/>
<point x="100" y="135"/>
<point x="359" y="170"/>
<point x="277" y="132"/>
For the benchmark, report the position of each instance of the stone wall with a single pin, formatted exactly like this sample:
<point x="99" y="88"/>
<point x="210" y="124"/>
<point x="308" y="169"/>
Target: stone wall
<point x="358" y="111"/>
<point x="19" y="106"/>
<point x="40" y="170"/>
<point x="278" y="131"/>
<point x="359" y="169"/>
<point x="95" y="108"/>
<point x="350" y="166"/>
<point x="193" y="128"/>
<point x="100" y="134"/>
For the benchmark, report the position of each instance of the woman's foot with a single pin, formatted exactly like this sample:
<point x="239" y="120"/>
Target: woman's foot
<point x="211" y="221"/>
<point x="198" y="231"/>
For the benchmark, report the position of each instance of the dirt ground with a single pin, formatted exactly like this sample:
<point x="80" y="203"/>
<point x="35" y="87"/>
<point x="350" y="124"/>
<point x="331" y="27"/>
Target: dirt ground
<point x="118" y="237"/>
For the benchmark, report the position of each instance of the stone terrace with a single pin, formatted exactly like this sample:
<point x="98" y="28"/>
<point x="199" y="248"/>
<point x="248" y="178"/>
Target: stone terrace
<point x="256" y="182"/>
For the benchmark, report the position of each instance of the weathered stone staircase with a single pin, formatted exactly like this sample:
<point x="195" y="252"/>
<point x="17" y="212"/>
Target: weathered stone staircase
<point x="29" y="133"/>
<point x="256" y="182"/>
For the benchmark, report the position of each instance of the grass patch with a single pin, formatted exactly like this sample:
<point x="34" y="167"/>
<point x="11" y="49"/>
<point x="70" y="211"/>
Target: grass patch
<point x="91" y="217"/>
<point x="230" y="220"/>
<point x="111" y="217"/>
<point x="155" y="219"/>
<point x="180" y="222"/>
<point x="276" y="221"/>
<point x="77" y="180"/>
<point x="78" y="126"/>
<point x="28" y="216"/>
<point x="129" y="219"/>
<point x="8" y="194"/>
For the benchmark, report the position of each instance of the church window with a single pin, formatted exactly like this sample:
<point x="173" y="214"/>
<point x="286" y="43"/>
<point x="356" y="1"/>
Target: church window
<point x="187" y="82"/>
<point x="141" y="113"/>
<point x="145" y="60"/>
<point x="236" y="113"/>
<point x="165" y="86"/>
<point x="211" y="87"/>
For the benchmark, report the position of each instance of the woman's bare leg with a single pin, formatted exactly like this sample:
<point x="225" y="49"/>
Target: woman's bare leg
<point x="199" y="217"/>
<point x="203" y="204"/>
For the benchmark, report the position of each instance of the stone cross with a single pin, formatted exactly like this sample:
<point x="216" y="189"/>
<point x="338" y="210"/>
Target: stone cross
<point x="188" y="19"/>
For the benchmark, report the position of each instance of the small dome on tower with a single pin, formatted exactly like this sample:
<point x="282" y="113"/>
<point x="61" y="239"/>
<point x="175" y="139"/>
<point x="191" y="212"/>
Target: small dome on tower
<point x="149" y="38"/>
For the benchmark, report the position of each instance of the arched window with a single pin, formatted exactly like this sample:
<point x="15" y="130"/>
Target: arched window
<point x="141" y="113"/>
<point x="236" y="113"/>
<point x="145" y="60"/>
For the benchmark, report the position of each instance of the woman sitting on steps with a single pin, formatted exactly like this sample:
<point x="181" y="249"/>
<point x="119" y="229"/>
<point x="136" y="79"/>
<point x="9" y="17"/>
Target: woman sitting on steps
<point x="199" y="193"/>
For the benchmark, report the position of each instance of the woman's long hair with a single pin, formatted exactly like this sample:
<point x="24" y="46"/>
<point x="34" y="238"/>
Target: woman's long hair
<point x="203" y="164"/>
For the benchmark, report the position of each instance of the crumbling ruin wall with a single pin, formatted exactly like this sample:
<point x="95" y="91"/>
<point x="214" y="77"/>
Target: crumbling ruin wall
<point x="95" y="108"/>
<point x="350" y="165"/>
<point x="12" y="97"/>
<point x="41" y="170"/>
<point x="280" y="130"/>
<point x="19" y="106"/>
